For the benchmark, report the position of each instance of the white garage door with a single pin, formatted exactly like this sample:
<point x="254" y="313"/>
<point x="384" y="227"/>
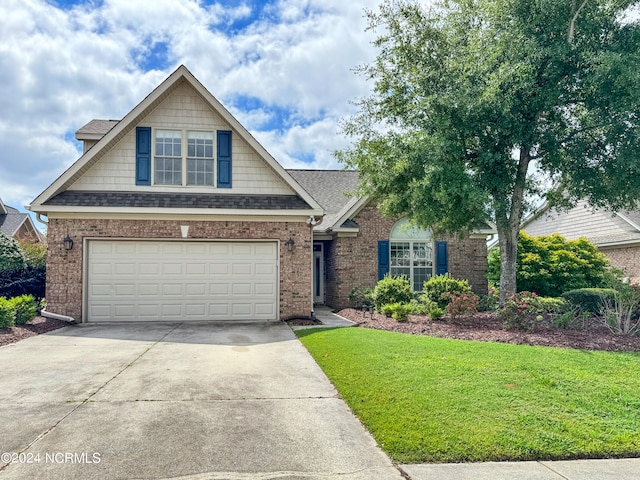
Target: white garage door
<point x="168" y="281"/>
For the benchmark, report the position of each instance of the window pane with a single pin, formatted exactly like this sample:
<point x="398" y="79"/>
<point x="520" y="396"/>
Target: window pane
<point x="199" y="171"/>
<point x="399" y="254"/>
<point x="200" y="144"/>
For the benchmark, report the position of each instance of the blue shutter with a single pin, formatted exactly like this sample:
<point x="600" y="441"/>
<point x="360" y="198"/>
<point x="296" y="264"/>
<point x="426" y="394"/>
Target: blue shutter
<point x="224" y="159"/>
<point x="143" y="155"/>
<point x="442" y="258"/>
<point x="383" y="258"/>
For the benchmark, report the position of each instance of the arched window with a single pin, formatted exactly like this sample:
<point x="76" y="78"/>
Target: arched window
<point x="411" y="253"/>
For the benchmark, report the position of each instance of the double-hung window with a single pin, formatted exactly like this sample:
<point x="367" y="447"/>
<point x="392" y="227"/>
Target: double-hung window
<point x="176" y="165"/>
<point x="411" y="254"/>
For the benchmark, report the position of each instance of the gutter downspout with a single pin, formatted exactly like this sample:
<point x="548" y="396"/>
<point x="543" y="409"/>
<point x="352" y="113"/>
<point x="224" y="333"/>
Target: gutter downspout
<point x="57" y="316"/>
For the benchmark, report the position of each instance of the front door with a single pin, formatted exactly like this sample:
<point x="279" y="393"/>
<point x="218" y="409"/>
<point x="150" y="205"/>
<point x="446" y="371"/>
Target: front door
<point x="318" y="273"/>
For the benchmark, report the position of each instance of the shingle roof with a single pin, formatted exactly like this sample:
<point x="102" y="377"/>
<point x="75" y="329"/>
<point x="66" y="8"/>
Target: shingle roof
<point x="177" y="200"/>
<point x="97" y="127"/>
<point x="328" y="187"/>
<point x="11" y="221"/>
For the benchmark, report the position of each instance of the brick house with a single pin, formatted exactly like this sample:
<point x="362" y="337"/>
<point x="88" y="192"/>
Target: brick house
<point x="616" y="234"/>
<point x="176" y="212"/>
<point x="18" y="225"/>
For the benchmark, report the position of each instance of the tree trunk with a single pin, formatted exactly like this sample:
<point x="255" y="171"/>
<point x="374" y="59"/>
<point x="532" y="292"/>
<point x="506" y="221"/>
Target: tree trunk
<point x="508" y="242"/>
<point x="509" y="229"/>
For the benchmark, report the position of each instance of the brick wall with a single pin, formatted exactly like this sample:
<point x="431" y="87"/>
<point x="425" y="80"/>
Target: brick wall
<point x="625" y="258"/>
<point x="65" y="269"/>
<point x="353" y="262"/>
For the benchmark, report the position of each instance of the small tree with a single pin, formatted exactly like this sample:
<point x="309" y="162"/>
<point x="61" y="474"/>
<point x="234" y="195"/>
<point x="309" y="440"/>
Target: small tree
<point x="551" y="265"/>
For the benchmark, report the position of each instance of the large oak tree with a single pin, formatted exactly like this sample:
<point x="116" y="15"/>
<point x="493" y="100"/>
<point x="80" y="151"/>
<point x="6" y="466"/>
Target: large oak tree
<point x="479" y="106"/>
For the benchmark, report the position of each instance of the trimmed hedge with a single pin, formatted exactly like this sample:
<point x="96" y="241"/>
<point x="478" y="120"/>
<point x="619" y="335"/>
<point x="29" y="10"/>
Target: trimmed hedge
<point x="588" y="299"/>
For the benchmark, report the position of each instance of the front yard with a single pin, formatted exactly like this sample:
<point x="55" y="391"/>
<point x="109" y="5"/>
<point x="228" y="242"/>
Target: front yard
<point x="428" y="399"/>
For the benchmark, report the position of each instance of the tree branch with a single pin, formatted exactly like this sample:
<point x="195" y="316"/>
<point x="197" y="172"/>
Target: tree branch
<point x="572" y="22"/>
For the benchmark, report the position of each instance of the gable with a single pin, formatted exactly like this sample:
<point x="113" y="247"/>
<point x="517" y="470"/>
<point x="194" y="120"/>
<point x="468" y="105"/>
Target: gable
<point x="183" y="110"/>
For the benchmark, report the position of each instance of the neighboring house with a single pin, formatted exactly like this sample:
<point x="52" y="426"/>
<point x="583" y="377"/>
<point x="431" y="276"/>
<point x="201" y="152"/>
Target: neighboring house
<point x="617" y="235"/>
<point x="18" y="225"/>
<point x="177" y="213"/>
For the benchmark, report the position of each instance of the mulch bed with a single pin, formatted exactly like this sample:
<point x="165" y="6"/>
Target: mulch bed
<point x="485" y="327"/>
<point x="35" y="327"/>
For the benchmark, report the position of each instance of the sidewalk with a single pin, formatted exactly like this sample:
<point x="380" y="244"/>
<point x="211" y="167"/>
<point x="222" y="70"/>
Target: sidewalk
<point x="607" y="469"/>
<point x="624" y="469"/>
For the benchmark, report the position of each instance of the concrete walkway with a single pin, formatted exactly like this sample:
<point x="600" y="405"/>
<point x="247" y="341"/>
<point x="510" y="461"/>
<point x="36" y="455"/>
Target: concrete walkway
<point x="149" y="401"/>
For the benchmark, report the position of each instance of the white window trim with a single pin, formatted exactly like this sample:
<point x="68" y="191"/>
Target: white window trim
<point x="184" y="132"/>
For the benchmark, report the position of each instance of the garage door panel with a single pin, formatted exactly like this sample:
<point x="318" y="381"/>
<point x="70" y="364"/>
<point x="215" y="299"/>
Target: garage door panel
<point x="160" y="280"/>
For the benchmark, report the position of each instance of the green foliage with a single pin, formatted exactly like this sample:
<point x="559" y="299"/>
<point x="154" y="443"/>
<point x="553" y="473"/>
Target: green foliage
<point x="570" y="319"/>
<point x="26" y="308"/>
<point x="520" y="311"/>
<point x="35" y="254"/>
<point x="487" y="303"/>
<point x="420" y="308"/>
<point x="462" y="306"/>
<point x="392" y="290"/>
<point x="439" y="289"/>
<point x="11" y="257"/>
<point x="398" y="311"/>
<point x="7" y="313"/>
<point x="550" y="265"/>
<point x="467" y="95"/>
<point x="436" y="313"/>
<point x="552" y="304"/>
<point x="588" y="299"/>
<point x="620" y="312"/>
<point x="361" y="297"/>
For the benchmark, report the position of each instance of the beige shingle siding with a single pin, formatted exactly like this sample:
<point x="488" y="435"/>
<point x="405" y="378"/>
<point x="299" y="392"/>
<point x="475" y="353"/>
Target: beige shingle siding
<point x="183" y="109"/>
<point x="580" y="221"/>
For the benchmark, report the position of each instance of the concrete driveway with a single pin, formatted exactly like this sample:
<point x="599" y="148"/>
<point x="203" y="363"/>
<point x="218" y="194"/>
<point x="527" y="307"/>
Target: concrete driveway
<point x="176" y="401"/>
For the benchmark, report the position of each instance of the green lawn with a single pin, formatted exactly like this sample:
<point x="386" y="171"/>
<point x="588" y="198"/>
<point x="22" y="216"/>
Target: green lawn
<point x="434" y="400"/>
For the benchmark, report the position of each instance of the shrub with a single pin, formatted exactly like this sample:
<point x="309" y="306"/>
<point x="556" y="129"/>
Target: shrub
<point x="551" y="265"/>
<point x="7" y="313"/>
<point x="398" y="311"/>
<point x="26" y="308"/>
<point x="360" y="297"/>
<point x="439" y="289"/>
<point x="519" y="310"/>
<point x="436" y="313"/>
<point x="620" y="312"/>
<point x="462" y="306"/>
<point x="571" y="318"/>
<point x="22" y="268"/>
<point x="487" y="303"/>
<point x="552" y="304"/>
<point x="392" y="290"/>
<point x="420" y="308"/>
<point x="589" y="299"/>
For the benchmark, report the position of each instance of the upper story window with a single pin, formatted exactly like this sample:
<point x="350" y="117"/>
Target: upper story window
<point x="411" y="253"/>
<point x="175" y="165"/>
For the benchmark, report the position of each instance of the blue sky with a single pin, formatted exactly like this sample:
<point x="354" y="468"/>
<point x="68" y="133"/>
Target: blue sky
<point x="283" y="68"/>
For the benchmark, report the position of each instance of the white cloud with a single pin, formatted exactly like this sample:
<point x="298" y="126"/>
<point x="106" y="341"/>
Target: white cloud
<point x="62" y="67"/>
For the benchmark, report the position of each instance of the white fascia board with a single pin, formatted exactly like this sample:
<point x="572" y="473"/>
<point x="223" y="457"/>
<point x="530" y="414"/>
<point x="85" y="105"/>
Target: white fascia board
<point x="348" y="211"/>
<point x="3" y="209"/>
<point x="621" y="243"/>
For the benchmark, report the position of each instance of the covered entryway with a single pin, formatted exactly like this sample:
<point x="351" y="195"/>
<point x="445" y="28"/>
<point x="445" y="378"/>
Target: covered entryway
<point x="147" y="280"/>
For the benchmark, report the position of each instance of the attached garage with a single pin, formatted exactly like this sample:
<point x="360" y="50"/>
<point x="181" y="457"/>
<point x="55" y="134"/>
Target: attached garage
<point x="148" y="280"/>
